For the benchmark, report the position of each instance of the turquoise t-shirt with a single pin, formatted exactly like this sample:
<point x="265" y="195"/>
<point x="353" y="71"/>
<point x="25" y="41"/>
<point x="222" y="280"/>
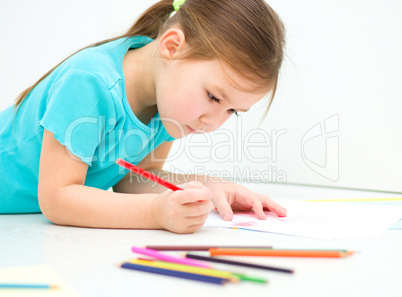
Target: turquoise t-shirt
<point x="83" y="102"/>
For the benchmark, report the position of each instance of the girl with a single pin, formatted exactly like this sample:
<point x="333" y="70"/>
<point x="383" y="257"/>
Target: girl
<point x="170" y="75"/>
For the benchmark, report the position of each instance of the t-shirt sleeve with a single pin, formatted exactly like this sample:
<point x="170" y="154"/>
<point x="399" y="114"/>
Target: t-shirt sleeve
<point x="78" y="104"/>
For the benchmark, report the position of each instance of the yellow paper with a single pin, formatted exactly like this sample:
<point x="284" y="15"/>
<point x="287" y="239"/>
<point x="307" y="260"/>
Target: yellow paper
<point x="34" y="275"/>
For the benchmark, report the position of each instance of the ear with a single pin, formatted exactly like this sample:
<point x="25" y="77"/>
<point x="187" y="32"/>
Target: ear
<point x="171" y="43"/>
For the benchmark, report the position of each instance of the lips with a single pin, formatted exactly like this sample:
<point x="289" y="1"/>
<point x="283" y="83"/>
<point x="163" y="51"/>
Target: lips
<point x="197" y="131"/>
<point x="191" y="129"/>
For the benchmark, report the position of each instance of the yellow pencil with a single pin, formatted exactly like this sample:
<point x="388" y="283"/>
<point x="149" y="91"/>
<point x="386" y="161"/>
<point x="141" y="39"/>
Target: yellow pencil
<point x="187" y="268"/>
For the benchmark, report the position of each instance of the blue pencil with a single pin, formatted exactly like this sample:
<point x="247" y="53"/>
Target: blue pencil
<point x="26" y="286"/>
<point x="174" y="273"/>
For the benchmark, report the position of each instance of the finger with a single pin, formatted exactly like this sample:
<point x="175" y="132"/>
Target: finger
<point x="195" y="185"/>
<point x="258" y="209"/>
<point x="194" y="228"/>
<point x="197" y="209"/>
<point x="192" y="184"/>
<point x="198" y="221"/>
<point x="193" y="224"/>
<point x="272" y="205"/>
<point x="191" y="195"/>
<point x="242" y="207"/>
<point x="223" y="207"/>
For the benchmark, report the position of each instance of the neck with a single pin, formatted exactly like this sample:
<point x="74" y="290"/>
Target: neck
<point x="140" y="81"/>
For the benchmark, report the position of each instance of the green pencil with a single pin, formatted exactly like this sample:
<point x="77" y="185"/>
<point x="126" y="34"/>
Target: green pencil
<point x="250" y="278"/>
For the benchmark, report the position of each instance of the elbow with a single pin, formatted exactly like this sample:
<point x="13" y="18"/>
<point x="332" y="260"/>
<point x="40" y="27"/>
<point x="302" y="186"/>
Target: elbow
<point x="49" y="206"/>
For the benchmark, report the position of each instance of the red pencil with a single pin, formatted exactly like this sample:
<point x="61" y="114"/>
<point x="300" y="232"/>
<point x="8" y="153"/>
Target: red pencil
<point x="147" y="174"/>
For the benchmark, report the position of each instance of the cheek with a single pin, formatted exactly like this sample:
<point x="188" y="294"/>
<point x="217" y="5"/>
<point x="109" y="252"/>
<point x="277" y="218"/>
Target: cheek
<point x="178" y="116"/>
<point x="175" y="114"/>
<point x="182" y="99"/>
<point x="177" y="109"/>
<point x="186" y="112"/>
<point x="183" y="105"/>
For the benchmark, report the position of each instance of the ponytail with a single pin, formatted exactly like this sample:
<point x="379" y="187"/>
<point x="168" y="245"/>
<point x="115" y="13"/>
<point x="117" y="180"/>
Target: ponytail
<point x="152" y="20"/>
<point x="248" y="36"/>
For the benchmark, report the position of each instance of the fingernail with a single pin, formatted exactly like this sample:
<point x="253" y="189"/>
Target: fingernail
<point x="226" y="217"/>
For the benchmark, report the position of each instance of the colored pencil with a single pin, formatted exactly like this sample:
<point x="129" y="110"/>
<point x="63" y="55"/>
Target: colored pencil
<point x="199" y="247"/>
<point x="147" y="174"/>
<point x="251" y="278"/>
<point x="237" y="263"/>
<point x="239" y="276"/>
<point x="168" y="258"/>
<point x="174" y="273"/>
<point x="186" y="268"/>
<point x="279" y="253"/>
<point x="26" y="286"/>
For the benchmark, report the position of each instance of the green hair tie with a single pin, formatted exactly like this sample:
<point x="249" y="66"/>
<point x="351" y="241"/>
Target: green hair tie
<point x="177" y="4"/>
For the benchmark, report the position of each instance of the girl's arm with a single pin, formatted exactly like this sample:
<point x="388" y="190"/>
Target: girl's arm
<point x="226" y="196"/>
<point x="65" y="200"/>
<point x="136" y="184"/>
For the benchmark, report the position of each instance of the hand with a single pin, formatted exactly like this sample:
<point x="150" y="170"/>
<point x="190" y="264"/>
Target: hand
<point x="228" y="196"/>
<point x="183" y="211"/>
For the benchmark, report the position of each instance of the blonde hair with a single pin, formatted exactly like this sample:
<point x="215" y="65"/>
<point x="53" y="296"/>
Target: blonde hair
<point x="246" y="35"/>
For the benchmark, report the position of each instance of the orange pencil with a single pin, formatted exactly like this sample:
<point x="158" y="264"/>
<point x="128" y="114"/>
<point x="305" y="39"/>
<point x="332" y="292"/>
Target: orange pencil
<point x="279" y="253"/>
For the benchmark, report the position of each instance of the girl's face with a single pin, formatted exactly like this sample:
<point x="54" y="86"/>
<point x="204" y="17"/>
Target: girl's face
<point x="199" y="96"/>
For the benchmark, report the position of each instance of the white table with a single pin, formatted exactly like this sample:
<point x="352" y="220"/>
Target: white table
<point x="87" y="258"/>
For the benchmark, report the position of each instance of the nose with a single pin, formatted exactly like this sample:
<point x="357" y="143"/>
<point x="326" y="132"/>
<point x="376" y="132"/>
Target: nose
<point x="212" y="121"/>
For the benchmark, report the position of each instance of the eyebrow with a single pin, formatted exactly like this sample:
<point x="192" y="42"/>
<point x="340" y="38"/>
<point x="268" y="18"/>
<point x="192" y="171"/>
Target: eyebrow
<point x="223" y="94"/>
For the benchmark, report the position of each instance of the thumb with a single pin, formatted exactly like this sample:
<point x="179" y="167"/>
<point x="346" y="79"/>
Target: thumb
<point x="222" y="205"/>
<point x="192" y="184"/>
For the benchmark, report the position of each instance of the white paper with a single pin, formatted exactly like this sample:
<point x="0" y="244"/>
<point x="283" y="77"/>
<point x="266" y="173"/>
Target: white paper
<point x="324" y="220"/>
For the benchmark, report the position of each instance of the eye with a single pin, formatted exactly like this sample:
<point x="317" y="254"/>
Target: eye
<point x="212" y="98"/>
<point x="232" y="111"/>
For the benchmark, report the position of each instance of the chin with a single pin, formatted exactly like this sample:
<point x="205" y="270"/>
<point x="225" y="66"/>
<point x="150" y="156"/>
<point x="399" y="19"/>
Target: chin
<point x="176" y="131"/>
<point x="179" y="135"/>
